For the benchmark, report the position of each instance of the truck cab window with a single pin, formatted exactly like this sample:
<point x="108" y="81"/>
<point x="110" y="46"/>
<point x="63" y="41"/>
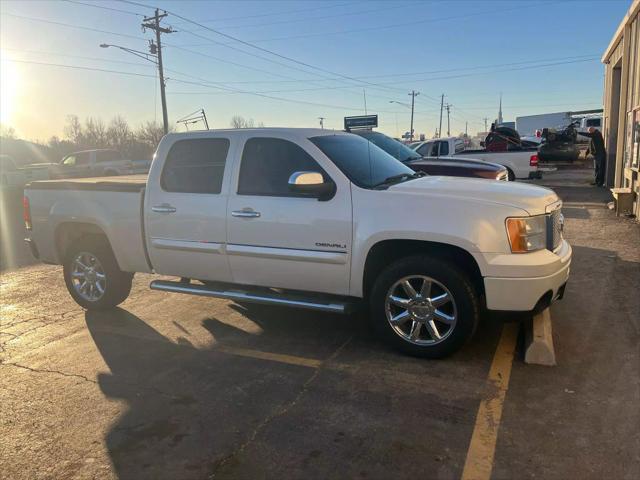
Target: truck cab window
<point x="195" y="166"/>
<point x="444" y="148"/>
<point x="267" y="164"/>
<point x="424" y="149"/>
<point x="108" y="156"/>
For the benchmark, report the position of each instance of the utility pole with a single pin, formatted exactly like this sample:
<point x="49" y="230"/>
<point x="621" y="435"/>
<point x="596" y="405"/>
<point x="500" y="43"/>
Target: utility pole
<point x="448" y="122"/>
<point x="153" y="23"/>
<point x="364" y="94"/>
<point x="413" y="94"/>
<point x="321" y="122"/>
<point x="485" y="124"/>
<point x="466" y="125"/>
<point x="441" y="107"/>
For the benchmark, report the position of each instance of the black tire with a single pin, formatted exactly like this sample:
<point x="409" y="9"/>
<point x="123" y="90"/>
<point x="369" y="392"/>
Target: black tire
<point x="448" y="275"/>
<point x="117" y="282"/>
<point x="511" y="175"/>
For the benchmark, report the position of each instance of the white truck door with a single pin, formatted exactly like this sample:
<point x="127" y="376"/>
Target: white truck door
<point x="186" y="208"/>
<point x="281" y="239"/>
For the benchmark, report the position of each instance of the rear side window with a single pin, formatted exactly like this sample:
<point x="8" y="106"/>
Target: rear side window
<point x="459" y="146"/>
<point x="108" y="156"/>
<point x="267" y="164"/>
<point x="444" y="148"/>
<point x="195" y="166"/>
<point x="593" y="122"/>
<point x="83" y="158"/>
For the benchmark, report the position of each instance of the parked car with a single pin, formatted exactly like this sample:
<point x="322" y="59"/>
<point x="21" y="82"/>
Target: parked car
<point x="97" y="163"/>
<point x="313" y="219"/>
<point x="14" y="177"/>
<point x="520" y="162"/>
<point x="434" y="165"/>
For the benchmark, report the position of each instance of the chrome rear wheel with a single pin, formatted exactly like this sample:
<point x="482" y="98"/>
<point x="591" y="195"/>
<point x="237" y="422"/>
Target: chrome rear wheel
<point x="88" y="277"/>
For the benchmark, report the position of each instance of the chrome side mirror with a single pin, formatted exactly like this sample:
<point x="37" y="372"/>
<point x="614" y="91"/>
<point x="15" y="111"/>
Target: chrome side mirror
<point x="312" y="184"/>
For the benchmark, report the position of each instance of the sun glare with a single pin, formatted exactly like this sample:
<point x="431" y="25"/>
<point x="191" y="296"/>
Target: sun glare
<point x="9" y="83"/>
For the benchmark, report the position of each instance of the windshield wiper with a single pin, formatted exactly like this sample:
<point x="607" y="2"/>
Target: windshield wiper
<point x="398" y="178"/>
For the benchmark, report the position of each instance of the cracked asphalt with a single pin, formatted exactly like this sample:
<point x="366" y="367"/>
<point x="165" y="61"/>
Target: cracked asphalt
<point x="176" y="387"/>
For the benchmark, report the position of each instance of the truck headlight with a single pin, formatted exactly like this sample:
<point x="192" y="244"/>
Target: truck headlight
<point x="527" y="234"/>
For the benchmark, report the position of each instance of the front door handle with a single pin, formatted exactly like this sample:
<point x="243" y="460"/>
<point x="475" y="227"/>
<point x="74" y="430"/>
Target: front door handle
<point x="164" y="208"/>
<point x="245" y="214"/>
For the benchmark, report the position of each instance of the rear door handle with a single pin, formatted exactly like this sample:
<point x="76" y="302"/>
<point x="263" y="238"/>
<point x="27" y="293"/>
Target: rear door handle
<point x="245" y="213"/>
<point x="164" y="208"/>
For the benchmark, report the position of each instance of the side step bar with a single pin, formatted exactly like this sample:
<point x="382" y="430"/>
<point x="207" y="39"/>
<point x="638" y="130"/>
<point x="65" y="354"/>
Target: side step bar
<point x="263" y="297"/>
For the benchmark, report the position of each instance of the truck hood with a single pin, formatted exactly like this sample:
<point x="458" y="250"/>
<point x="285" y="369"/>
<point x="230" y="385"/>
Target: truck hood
<point x="531" y="198"/>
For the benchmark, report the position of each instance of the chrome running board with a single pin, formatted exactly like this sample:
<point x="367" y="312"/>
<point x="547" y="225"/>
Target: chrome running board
<point x="265" y="297"/>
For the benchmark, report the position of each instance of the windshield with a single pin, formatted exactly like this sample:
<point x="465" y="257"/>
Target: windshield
<point x="362" y="162"/>
<point x="391" y="146"/>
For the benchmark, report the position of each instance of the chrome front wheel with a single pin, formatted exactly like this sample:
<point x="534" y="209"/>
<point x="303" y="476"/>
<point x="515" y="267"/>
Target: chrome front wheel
<point x="88" y="277"/>
<point x="421" y="310"/>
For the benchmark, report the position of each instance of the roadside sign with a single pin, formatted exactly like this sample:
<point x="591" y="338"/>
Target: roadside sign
<point x="360" y="121"/>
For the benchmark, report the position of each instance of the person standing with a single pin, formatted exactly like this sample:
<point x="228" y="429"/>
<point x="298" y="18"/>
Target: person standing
<point x="599" y="153"/>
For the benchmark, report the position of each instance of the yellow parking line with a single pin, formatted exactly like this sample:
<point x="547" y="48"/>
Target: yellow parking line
<point x="479" y="462"/>
<point x="275" y="357"/>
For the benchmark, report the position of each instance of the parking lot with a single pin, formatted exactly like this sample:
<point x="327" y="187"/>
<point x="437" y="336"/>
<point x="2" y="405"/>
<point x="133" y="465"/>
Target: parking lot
<point x="171" y="386"/>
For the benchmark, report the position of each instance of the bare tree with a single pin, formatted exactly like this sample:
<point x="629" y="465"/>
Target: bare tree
<point x="150" y="134"/>
<point x="7" y="132"/>
<point x="238" y="121"/>
<point x="73" y="130"/>
<point x="119" y="135"/>
<point x="95" y="133"/>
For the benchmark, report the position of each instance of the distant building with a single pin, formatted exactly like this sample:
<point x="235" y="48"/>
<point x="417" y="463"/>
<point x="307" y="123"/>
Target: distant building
<point x="622" y="104"/>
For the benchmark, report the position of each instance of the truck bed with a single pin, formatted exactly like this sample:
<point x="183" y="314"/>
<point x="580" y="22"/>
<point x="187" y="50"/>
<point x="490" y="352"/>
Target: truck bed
<point x="113" y="205"/>
<point x="125" y="183"/>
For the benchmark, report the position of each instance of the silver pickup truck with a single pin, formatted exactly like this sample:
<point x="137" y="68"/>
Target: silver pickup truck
<point x="98" y="163"/>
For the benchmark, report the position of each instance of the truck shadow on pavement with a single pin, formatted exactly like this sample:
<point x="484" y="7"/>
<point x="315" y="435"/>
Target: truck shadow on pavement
<point x="193" y="412"/>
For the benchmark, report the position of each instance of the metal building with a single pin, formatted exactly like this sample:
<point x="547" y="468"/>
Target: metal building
<point x="622" y="105"/>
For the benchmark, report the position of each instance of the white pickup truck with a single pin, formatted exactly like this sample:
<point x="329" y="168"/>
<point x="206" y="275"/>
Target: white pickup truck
<point x="313" y="219"/>
<point x="519" y="163"/>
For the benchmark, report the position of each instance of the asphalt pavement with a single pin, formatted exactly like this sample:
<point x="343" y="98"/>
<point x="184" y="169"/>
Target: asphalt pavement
<point x="178" y="387"/>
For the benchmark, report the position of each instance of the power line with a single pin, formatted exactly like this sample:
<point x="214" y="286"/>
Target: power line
<point x="81" y="57"/>
<point x="257" y="47"/>
<point x="69" y="25"/>
<point x="313" y="19"/>
<point x="102" y="7"/>
<point x="79" y="67"/>
<point x="323" y="7"/>
<point x="202" y="83"/>
<point x="394" y="25"/>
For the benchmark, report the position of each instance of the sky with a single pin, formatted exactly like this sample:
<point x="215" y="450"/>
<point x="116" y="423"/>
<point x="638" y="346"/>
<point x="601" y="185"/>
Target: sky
<point x="287" y="63"/>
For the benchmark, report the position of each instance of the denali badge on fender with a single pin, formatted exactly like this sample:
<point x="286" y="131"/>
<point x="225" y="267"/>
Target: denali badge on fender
<point x="331" y="245"/>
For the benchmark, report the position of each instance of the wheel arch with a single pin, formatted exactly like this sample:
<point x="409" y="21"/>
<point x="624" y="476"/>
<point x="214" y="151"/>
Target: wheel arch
<point x="385" y="252"/>
<point x="67" y="233"/>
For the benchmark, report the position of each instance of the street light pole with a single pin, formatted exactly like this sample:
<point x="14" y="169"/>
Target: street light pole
<point x="413" y="94"/>
<point x="441" y="107"/>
